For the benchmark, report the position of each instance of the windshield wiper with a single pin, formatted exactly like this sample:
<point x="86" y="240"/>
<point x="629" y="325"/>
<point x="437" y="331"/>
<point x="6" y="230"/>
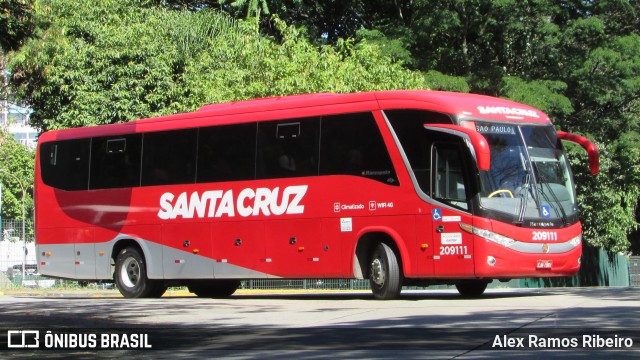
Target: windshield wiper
<point x="525" y="190"/>
<point x="559" y="207"/>
<point x="527" y="185"/>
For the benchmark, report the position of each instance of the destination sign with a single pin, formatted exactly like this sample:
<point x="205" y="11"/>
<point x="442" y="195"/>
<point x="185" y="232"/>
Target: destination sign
<point x="498" y="129"/>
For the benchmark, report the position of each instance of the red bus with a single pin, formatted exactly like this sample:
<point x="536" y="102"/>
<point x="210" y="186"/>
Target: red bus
<point x="400" y="187"/>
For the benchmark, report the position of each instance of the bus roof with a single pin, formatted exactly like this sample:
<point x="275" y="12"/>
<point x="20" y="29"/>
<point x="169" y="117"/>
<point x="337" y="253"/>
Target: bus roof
<point x="463" y="105"/>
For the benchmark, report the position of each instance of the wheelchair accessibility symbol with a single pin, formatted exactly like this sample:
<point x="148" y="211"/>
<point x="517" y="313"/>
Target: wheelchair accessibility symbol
<point x="546" y="211"/>
<point x="437" y="214"/>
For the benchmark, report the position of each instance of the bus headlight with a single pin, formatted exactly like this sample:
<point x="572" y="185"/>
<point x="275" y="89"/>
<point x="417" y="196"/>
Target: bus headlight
<point x="488" y="235"/>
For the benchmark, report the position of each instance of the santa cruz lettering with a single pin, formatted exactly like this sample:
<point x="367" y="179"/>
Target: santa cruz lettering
<point x="219" y="203"/>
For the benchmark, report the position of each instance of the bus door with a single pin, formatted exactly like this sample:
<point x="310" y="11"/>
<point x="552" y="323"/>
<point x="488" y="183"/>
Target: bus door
<point x="453" y="248"/>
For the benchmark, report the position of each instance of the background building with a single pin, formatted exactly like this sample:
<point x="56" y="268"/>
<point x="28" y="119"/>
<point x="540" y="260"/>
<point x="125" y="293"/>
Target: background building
<point x="15" y="119"/>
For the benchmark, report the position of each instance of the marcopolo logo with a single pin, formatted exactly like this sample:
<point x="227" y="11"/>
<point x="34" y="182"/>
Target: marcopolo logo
<point x="219" y="203"/>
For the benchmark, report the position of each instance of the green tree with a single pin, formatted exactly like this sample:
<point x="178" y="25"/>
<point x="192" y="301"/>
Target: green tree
<point x="608" y="202"/>
<point x="249" y="69"/>
<point x="254" y="7"/>
<point x="98" y="63"/>
<point x="604" y="87"/>
<point x="116" y="61"/>
<point x="18" y="160"/>
<point x="16" y="23"/>
<point x="394" y="48"/>
<point x="545" y="95"/>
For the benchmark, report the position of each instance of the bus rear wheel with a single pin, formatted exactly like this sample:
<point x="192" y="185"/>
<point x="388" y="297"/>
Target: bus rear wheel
<point x="385" y="276"/>
<point x="131" y="276"/>
<point x="471" y="288"/>
<point x="214" y="288"/>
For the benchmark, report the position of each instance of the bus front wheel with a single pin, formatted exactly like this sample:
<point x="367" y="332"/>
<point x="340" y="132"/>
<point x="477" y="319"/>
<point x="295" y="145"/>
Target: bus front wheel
<point x="385" y="276"/>
<point x="131" y="276"/>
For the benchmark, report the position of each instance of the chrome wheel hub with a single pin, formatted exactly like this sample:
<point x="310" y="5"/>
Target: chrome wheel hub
<point x="377" y="272"/>
<point x="130" y="272"/>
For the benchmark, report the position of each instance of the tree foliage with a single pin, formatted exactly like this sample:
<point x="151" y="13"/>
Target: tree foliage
<point x="16" y="160"/>
<point x="261" y="67"/>
<point x="16" y="23"/>
<point x="254" y="7"/>
<point x="98" y="64"/>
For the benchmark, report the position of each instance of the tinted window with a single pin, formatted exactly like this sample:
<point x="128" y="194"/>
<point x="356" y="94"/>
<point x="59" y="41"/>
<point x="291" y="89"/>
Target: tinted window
<point x="65" y="164"/>
<point x="353" y="145"/>
<point x="115" y="162"/>
<point x="227" y="153"/>
<point x="415" y="140"/>
<point x="288" y="148"/>
<point x="449" y="185"/>
<point x="169" y="157"/>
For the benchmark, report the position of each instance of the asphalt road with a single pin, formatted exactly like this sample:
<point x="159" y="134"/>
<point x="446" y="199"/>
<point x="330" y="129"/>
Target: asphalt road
<point x="520" y="323"/>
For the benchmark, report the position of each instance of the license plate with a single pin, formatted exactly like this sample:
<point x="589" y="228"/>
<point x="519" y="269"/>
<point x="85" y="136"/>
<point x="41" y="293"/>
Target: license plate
<point x="543" y="264"/>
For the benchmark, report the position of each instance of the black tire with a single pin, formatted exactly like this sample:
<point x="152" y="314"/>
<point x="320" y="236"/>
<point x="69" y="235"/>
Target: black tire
<point x="471" y="288"/>
<point x="130" y="276"/>
<point x="385" y="276"/>
<point x="214" y="288"/>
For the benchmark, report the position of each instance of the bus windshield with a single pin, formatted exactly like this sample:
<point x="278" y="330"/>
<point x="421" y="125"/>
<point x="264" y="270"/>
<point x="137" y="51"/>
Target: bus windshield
<point x="530" y="179"/>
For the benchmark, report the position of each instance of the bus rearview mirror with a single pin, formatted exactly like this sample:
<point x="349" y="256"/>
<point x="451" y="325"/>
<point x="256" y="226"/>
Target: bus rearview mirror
<point x="592" y="150"/>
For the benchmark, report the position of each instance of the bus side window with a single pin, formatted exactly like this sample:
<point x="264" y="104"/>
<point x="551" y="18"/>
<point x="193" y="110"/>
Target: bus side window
<point x="115" y="162"/>
<point x="448" y="183"/>
<point x="169" y="157"/>
<point x="288" y="148"/>
<point x="65" y="164"/>
<point x="351" y="144"/>
<point x="227" y="153"/>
